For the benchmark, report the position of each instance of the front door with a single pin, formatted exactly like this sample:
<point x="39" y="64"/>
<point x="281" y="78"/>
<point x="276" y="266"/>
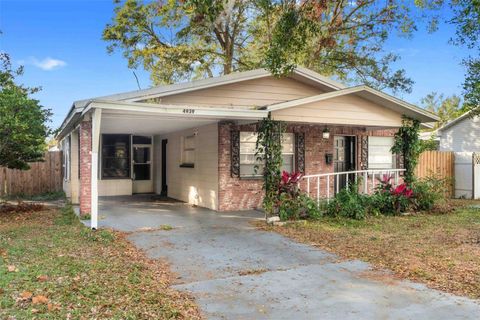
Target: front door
<point x="343" y="159"/>
<point x="142" y="169"/>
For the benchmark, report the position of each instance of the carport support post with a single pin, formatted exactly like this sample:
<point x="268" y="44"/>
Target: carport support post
<point x="96" y="117"/>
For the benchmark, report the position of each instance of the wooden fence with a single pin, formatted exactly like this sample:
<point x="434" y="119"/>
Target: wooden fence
<point x="42" y="177"/>
<point x="440" y="164"/>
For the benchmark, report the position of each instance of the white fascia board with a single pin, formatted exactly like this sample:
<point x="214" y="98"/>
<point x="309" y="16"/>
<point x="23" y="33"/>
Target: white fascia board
<point x="455" y="121"/>
<point x="178" y="111"/>
<point x="352" y="90"/>
<point x="312" y="75"/>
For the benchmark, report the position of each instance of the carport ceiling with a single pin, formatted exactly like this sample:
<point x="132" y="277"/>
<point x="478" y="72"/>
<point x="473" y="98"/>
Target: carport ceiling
<point x="149" y="124"/>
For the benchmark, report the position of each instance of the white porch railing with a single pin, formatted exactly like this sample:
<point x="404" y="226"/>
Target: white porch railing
<point x="324" y="180"/>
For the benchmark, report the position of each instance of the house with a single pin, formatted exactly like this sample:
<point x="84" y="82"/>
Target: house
<point x="461" y="134"/>
<point x="195" y="141"/>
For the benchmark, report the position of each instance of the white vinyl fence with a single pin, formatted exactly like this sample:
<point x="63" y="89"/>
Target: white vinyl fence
<point x="467" y="175"/>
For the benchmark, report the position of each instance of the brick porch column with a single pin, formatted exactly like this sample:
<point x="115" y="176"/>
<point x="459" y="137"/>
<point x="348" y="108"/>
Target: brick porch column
<point x="85" y="133"/>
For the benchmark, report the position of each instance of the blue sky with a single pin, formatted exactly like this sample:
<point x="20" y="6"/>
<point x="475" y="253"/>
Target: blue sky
<point x="59" y="42"/>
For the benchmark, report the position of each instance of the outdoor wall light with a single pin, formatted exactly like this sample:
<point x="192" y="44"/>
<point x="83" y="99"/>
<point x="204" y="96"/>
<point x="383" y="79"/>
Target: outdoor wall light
<point x="326" y="133"/>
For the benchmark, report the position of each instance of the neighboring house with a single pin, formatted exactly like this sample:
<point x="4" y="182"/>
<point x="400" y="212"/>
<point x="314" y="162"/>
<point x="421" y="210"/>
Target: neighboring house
<point x="461" y="134"/>
<point x="196" y="141"/>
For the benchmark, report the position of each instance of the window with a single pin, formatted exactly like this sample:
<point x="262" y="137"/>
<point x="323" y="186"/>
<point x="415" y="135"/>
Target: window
<point x="66" y="157"/>
<point x="116" y="156"/>
<point x="188" y="152"/>
<point x="288" y="152"/>
<point x="248" y="141"/>
<point x="379" y="154"/>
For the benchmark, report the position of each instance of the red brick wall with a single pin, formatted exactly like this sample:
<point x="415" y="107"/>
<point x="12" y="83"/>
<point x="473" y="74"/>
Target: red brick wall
<point x="243" y="194"/>
<point x="85" y="160"/>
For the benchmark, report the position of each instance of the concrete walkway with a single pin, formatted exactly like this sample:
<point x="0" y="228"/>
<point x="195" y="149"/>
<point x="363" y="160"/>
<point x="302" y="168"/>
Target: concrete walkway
<point x="238" y="272"/>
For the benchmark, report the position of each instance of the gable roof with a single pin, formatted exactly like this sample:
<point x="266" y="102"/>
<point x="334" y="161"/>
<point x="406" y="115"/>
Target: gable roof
<point x="455" y="121"/>
<point x="299" y="73"/>
<point x="367" y="93"/>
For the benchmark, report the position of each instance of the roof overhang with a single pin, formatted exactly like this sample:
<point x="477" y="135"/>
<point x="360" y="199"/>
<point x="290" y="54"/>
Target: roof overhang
<point x="367" y="93"/>
<point x="301" y="74"/>
<point x="456" y="120"/>
<point x="171" y="112"/>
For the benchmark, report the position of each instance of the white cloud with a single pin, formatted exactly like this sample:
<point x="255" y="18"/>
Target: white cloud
<point x="46" y="64"/>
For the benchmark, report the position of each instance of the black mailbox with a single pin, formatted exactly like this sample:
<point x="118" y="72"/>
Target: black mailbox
<point x="328" y="158"/>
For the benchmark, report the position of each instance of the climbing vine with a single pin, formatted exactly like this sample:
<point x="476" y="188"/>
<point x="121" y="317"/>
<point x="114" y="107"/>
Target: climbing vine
<point x="269" y="152"/>
<point x="407" y="144"/>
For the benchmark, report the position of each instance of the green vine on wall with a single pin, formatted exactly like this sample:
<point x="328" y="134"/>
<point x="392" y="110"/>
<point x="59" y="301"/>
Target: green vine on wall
<point x="269" y="152"/>
<point x="407" y="144"/>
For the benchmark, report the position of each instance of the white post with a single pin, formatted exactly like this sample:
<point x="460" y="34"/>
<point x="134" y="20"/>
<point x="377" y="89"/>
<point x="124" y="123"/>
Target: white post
<point x="365" y="182"/>
<point x="328" y="189"/>
<point x="96" y="120"/>
<point x="318" y="191"/>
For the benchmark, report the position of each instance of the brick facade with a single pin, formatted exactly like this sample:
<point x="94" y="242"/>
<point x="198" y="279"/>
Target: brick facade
<point x="242" y="194"/>
<point x="85" y="160"/>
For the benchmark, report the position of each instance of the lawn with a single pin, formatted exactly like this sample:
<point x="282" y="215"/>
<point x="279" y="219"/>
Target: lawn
<point x="442" y="251"/>
<point x="52" y="267"/>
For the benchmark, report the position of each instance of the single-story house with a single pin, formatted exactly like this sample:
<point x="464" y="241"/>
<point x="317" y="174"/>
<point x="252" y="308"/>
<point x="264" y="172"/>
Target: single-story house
<point x="195" y="141"/>
<point x="461" y="134"/>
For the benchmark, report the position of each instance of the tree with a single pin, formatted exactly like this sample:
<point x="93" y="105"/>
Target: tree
<point x="446" y="109"/>
<point x="466" y="19"/>
<point x="23" y="128"/>
<point x="407" y="144"/>
<point x="180" y="40"/>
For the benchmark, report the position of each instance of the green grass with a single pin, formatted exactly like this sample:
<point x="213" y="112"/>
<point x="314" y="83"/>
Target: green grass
<point x="86" y="274"/>
<point x="442" y="251"/>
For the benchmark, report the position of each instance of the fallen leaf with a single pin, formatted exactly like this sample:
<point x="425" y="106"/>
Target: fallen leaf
<point x="35" y="311"/>
<point x="12" y="268"/>
<point x="42" y="278"/>
<point x="53" y="307"/>
<point x="39" y="299"/>
<point x="26" y="295"/>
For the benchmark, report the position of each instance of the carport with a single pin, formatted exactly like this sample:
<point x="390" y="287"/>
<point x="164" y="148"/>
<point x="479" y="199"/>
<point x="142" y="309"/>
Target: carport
<point x="98" y="118"/>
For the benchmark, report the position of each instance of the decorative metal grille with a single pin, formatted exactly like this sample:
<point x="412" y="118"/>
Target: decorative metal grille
<point x="364" y="153"/>
<point x="235" y="153"/>
<point x="300" y="152"/>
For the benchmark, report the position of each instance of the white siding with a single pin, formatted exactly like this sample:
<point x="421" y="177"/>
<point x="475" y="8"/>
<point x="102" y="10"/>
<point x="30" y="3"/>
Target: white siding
<point x="345" y="110"/>
<point x="246" y="94"/>
<point x="463" y="136"/>
<point x="198" y="185"/>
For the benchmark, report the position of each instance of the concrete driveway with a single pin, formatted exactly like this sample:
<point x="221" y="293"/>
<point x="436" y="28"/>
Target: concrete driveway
<point x="238" y="272"/>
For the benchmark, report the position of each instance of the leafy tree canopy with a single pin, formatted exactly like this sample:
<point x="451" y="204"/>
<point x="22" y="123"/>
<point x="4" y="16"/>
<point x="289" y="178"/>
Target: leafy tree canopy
<point x="466" y="19"/>
<point x="23" y="128"/>
<point x="180" y="40"/>
<point x="447" y="108"/>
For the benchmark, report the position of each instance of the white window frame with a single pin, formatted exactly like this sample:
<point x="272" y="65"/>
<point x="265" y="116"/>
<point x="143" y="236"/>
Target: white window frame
<point x="380" y="147"/>
<point x="188" y="146"/>
<point x="250" y="134"/>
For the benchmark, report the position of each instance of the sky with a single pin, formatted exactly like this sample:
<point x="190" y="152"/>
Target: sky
<point x="59" y="43"/>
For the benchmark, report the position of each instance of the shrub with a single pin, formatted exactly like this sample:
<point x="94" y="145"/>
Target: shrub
<point x="388" y="199"/>
<point x="349" y="203"/>
<point x="292" y="203"/>
<point x="429" y="191"/>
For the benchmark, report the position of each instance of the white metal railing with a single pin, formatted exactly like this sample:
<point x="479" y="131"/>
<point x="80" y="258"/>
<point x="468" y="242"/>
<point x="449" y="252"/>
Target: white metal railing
<point x="324" y="180"/>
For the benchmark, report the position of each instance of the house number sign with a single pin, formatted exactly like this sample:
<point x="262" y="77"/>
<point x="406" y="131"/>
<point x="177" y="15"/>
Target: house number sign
<point x="189" y="111"/>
